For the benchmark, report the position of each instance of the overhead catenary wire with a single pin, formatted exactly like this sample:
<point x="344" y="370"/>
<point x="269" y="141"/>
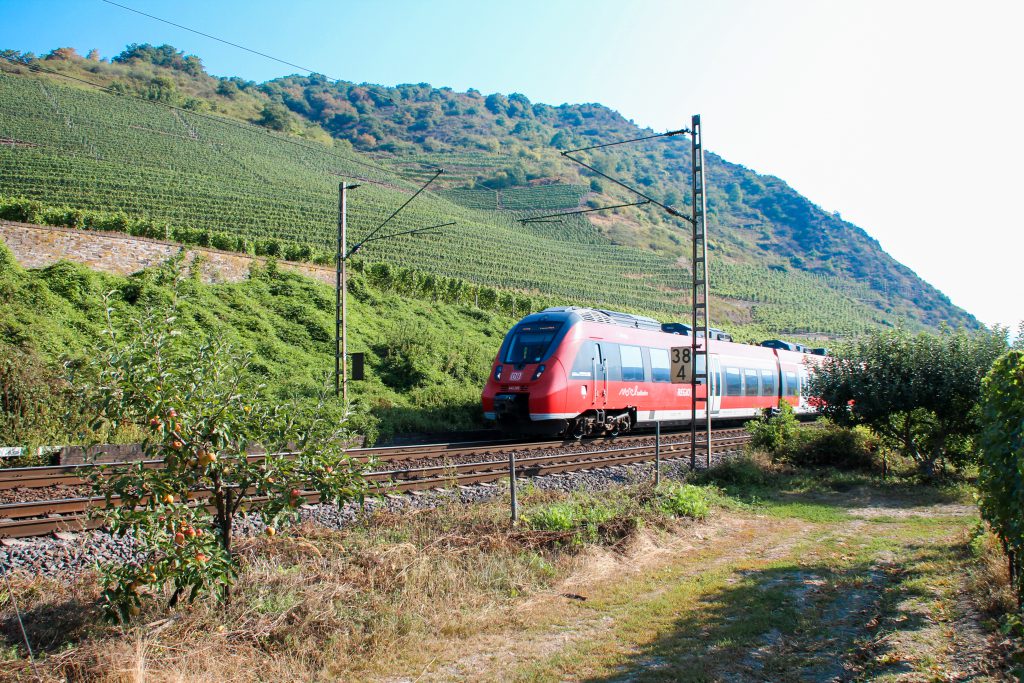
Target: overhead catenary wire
<point x="370" y="237"/>
<point x="541" y="219"/>
<point x="672" y="211"/>
<point x="681" y="131"/>
<point x="432" y="230"/>
<point x="219" y="40"/>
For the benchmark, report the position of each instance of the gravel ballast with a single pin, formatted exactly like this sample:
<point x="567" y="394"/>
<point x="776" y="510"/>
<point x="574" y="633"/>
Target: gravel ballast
<point x="65" y="555"/>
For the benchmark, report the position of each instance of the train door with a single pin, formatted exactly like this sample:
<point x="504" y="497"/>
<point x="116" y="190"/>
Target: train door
<point x="802" y="378"/>
<point x="715" y="385"/>
<point x="600" y="385"/>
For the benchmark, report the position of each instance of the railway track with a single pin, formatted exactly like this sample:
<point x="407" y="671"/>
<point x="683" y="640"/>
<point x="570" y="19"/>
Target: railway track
<point x="436" y="466"/>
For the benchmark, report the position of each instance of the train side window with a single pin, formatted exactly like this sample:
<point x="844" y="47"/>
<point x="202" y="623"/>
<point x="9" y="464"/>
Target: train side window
<point x="733" y="382"/>
<point x="752" y="386"/>
<point x="792" y="386"/>
<point x="611" y="358"/>
<point x="661" y="368"/>
<point x="586" y="357"/>
<point x="768" y="387"/>
<point x="632" y="363"/>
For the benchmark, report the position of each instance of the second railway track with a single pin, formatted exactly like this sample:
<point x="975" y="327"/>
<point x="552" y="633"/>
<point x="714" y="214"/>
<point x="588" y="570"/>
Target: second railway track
<point x="435" y="466"/>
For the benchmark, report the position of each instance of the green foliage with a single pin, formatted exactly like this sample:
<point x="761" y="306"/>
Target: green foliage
<point x="918" y="392"/>
<point x="826" y="444"/>
<point x="284" y="322"/>
<point x="683" y="500"/>
<point x="164" y="55"/>
<point x="774" y="431"/>
<point x="36" y="404"/>
<point x="275" y="117"/>
<point x="740" y="471"/>
<point x="830" y="445"/>
<point x="584" y="517"/>
<point x="1001" y="468"/>
<point x="201" y="413"/>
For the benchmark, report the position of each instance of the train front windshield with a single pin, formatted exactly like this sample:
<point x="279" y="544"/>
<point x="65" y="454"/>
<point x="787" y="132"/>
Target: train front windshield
<point x="530" y="342"/>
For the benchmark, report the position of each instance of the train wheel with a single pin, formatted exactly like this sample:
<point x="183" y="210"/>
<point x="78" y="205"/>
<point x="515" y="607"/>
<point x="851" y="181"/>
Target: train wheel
<point x="578" y="430"/>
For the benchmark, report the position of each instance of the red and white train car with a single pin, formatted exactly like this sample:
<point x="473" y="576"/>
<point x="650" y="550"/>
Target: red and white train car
<point x="579" y="371"/>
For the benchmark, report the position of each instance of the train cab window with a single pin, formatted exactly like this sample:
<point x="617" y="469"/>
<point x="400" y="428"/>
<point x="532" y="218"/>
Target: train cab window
<point x="661" y="368"/>
<point x="751" y="384"/>
<point x="733" y="382"/>
<point x="586" y="360"/>
<point x="530" y="342"/>
<point x="632" y="363"/>
<point x="792" y="387"/>
<point x="768" y="387"/>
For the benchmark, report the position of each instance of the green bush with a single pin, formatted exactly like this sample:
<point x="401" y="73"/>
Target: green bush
<point x="830" y="445"/>
<point x="742" y="470"/>
<point x="1001" y="469"/>
<point x="684" y="500"/>
<point x="774" y="431"/>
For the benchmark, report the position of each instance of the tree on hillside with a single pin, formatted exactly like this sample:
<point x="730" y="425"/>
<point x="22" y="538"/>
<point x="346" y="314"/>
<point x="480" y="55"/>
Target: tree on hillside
<point x="63" y="54"/>
<point x="275" y="117"/>
<point x="496" y="103"/>
<point x="918" y="392"/>
<point x="164" y="55"/>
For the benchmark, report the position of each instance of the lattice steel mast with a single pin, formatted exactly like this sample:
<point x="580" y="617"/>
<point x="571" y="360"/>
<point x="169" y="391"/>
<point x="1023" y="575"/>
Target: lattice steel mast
<point x="699" y="335"/>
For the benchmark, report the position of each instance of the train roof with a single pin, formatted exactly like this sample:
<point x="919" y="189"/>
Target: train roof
<point x="598" y="315"/>
<point x="574" y="314"/>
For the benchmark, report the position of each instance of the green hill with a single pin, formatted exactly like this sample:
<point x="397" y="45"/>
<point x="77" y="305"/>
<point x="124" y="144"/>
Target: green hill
<point x="780" y="265"/>
<point x="417" y="379"/>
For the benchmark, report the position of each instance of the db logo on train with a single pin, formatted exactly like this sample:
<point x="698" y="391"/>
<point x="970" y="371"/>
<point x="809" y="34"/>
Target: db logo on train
<point x="515" y="376"/>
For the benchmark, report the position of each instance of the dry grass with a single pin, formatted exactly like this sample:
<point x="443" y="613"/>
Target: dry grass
<point x="989" y="579"/>
<point x="310" y="605"/>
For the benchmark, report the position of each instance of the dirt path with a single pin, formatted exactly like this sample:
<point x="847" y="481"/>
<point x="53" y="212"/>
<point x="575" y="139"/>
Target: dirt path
<point x="856" y="587"/>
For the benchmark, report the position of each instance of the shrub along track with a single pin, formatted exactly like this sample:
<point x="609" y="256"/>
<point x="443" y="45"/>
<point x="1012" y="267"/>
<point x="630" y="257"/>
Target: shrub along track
<point x="30" y="508"/>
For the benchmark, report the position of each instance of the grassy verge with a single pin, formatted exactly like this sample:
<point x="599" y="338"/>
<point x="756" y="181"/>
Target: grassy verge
<point x="769" y="575"/>
<point x="317" y="604"/>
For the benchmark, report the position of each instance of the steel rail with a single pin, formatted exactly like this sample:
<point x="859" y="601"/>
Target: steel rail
<point x="38" y="518"/>
<point x="76" y="475"/>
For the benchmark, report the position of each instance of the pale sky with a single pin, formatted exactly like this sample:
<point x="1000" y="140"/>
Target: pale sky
<point x="906" y="117"/>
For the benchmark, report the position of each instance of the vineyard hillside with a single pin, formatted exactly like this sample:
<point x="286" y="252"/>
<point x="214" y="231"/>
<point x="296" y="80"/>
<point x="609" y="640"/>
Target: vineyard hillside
<point x="160" y="141"/>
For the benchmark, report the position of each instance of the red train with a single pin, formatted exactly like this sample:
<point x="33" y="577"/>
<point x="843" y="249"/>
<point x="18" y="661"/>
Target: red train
<point x="581" y="371"/>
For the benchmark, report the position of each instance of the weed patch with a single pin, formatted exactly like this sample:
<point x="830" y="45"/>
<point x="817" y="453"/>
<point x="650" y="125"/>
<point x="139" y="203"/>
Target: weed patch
<point x="684" y="500"/>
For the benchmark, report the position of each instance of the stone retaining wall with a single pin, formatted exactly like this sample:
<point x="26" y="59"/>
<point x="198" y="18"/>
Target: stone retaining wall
<point x="38" y="246"/>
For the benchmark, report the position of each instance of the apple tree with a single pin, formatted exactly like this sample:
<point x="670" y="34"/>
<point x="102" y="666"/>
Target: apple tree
<point x="918" y="392"/>
<point x="215" y="444"/>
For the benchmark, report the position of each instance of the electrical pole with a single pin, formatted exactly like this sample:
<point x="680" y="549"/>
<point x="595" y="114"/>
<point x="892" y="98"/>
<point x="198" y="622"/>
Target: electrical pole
<point x="340" y="300"/>
<point x="699" y="334"/>
<point x="341" y="275"/>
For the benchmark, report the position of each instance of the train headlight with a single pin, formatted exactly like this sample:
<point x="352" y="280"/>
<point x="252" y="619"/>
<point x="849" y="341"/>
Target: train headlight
<point x="497" y="373"/>
<point x="540" y="371"/>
